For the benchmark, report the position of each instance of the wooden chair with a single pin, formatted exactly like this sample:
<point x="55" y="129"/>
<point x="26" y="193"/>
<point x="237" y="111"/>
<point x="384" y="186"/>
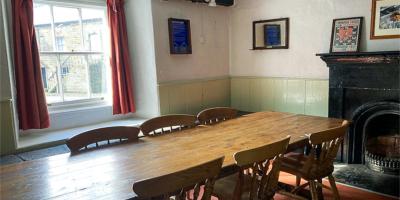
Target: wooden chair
<point x="167" y="124"/>
<point x="102" y="136"/>
<point x="318" y="163"/>
<point x="258" y="175"/>
<point x="182" y="185"/>
<point x="215" y="115"/>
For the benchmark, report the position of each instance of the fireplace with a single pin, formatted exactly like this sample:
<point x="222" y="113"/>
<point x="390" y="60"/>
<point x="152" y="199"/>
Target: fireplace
<point x="365" y="88"/>
<point x="376" y="125"/>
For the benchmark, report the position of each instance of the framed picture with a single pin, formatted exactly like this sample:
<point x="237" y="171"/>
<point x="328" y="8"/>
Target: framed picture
<point x="385" y="19"/>
<point x="346" y="35"/>
<point x="271" y="34"/>
<point x="179" y="36"/>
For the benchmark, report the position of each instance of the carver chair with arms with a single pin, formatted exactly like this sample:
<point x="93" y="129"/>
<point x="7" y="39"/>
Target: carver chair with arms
<point x="318" y="164"/>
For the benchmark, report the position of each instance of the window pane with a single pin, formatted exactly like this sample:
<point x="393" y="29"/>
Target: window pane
<point x="93" y="23"/>
<point x="74" y="77"/>
<point x="42" y="23"/>
<point x="68" y="34"/>
<point x="98" y="76"/>
<point x="50" y="78"/>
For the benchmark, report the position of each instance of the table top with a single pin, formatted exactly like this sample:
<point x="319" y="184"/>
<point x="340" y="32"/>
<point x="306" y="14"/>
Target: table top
<point x="108" y="173"/>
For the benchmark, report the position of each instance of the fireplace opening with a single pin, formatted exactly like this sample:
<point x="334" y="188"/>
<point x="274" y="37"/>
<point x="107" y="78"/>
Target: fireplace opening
<point x="382" y="142"/>
<point x="374" y="138"/>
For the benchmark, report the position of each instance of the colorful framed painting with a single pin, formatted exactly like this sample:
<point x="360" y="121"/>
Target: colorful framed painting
<point x="385" y="19"/>
<point x="179" y="36"/>
<point x="346" y="35"/>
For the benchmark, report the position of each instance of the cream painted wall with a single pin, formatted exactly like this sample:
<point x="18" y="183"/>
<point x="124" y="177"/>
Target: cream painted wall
<point x="310" y="32"/>
<point x="210" y="41"/>
<point x="139" y="23"/>
<point x="7" y="127"/>
<point x="5" y="89"/>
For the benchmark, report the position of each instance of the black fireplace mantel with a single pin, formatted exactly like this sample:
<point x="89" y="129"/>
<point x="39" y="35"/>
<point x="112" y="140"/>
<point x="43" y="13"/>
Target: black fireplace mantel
<point x="356" y="79"/>
<point x="365" y="58"/>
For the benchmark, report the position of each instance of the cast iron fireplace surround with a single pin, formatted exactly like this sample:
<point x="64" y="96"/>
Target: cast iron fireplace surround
<point x="365" y="88"/>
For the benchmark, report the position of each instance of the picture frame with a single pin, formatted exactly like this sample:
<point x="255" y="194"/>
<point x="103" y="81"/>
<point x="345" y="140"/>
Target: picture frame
<point x="271" y="34"/>
<point x="385" y="19"/>
<point x="179" y="36"/>
<point x="346" y="35"/>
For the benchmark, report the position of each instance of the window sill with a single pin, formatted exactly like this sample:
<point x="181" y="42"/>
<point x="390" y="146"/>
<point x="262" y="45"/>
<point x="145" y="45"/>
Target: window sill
<point x="57" y="109"/>
<point x="50" y="138"/>
<point x="72" y="117"/>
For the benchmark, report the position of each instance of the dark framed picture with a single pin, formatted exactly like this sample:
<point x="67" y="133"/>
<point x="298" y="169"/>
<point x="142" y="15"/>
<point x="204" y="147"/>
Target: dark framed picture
<point x="346" y="35"/>
<point x="271" y="34"/>
<point x="179" y="36"/>
<point x="385" y="19"/>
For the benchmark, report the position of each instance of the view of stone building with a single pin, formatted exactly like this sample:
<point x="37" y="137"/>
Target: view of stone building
<point x="72" y="54"/>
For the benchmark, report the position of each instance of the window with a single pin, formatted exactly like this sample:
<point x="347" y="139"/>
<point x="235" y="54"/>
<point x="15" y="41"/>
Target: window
<point x="60" y="43"/>
<point x="64" y="70"/>
<point x="71" y="41"/>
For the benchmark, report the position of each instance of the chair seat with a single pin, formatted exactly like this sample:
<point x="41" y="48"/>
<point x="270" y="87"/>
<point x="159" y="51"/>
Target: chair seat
<point x="224" y="188"/>
<point x="293" y="163"/>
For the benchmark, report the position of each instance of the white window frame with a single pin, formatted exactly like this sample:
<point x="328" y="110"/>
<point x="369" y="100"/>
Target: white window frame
<point x="90" y="101"/>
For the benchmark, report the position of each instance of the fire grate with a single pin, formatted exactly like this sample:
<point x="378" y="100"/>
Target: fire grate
<point x="382" y="164"/>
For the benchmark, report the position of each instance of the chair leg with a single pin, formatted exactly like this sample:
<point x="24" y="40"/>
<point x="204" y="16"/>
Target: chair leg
<point x="298" y="179"/>
<point x="313" y="190"/>
<point x="319" y="189"/>
<point x="333" y="187"/>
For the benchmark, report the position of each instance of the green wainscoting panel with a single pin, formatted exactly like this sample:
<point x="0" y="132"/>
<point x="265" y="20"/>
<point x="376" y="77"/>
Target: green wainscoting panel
<point x="255" y="95"/>
<point x="241" y="93"/>
<point x="235" y="92"/>
<point x="267" y="94"/>
<point x="225" y="92"/>
<point x="295" y="96"/>
<point x="194" y="98"/>
<point x="302" y="96"/>
<point x="163" y="91"/>
<point x="177" y="99"/>
<point x="190" y="97"/>
<point x="280" y="95"/>
<point x="216" y="93"/>
<point x="7" y="137"/>
<point x="317" y="96"/>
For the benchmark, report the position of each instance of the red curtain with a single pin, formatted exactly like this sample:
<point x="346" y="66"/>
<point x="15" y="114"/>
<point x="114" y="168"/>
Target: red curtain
<point x="31" y="100"/>
<point x="123" y="101"/>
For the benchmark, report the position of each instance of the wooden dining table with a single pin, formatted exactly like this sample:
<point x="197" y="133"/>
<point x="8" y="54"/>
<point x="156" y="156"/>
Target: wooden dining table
<point x="108" y="173"/>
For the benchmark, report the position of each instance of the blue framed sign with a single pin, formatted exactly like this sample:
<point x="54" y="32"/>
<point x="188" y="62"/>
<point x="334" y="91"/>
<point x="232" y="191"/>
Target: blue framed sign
<point x="272" y="35"/>
<point x="179" y="36"/>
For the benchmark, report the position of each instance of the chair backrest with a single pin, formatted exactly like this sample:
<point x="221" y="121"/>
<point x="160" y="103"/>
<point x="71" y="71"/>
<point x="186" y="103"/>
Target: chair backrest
<point x="215" y="115"/>
<point x="167" y="124"/>
<point x="102" y="136"/>
<point x="262" y="164"/>
<point x="324" y="147"/>
<point x="181" y="183"/>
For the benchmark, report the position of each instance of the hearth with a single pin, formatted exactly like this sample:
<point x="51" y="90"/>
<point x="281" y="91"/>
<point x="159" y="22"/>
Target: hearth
<point x="365" y="88"/>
